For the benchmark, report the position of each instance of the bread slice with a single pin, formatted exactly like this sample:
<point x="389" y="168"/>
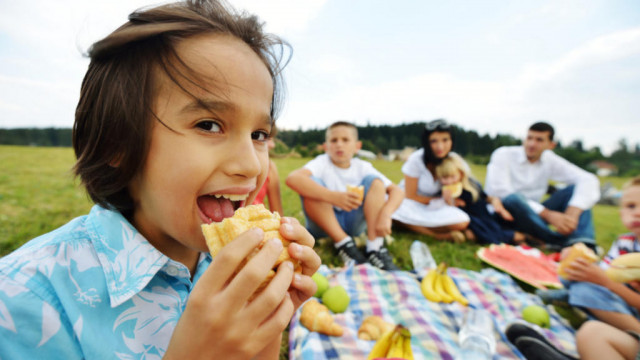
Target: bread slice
<point x="358" y="190"/>
<point x="578" y="250"/>
<point x="219" y="234"/>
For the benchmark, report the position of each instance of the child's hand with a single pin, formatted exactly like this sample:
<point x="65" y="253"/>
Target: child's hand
<point x="301" y="249"/>
<point x="583" y="270"/>
<point x="346" y="201"/>
<point x="219" y="321"/>
<point x="459" y="203"/>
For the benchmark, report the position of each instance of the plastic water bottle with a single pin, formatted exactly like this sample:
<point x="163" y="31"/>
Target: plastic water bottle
<point x="421" y="258"/>
<point x="476" y="338"/>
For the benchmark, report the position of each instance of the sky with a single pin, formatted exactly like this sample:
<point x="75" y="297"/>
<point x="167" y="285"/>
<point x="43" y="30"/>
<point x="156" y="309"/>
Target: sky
<point x="489" y="66"/>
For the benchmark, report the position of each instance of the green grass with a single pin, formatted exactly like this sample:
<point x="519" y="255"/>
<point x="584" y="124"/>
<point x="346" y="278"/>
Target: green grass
<point x="38" y="194"/>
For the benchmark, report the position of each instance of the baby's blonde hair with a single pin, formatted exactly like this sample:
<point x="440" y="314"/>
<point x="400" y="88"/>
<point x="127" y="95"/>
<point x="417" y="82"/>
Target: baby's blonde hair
<point x="635" y="181"/>
<point x="452" y="165"/>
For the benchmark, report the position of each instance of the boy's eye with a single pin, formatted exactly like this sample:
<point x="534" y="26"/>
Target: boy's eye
<point x="259" y="136"/>
<point x="209" y="125"/>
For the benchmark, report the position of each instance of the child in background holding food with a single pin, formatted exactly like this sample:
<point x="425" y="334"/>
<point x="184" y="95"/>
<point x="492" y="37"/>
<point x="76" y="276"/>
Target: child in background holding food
<point x="170" y="133"/>
<point x="333" y="210"/>
<point x="590" y="288"/>
<point x="271" y="187"/>
<point x="459" y="189"/>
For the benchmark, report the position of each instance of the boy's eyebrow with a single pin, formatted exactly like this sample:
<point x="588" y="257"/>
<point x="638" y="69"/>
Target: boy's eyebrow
<point x="215" y="105"/>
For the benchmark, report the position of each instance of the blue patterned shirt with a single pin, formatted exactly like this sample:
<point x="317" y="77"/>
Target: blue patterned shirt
<point x="94" y="288"/>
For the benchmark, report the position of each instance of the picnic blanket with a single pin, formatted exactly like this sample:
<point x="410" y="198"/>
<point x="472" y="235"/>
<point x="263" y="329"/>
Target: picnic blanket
<point x="396" y="297"/>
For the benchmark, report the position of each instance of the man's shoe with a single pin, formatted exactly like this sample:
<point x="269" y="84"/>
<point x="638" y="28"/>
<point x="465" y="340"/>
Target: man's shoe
<point x="534" y="349"/>
<point x="515" y="331"/>
<point x="382" y="259"/>
<point x="349" y="251"/>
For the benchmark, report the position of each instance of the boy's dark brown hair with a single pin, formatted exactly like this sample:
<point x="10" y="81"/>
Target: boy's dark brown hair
<point x="341" y="123"/>
<point x="114" y="117"/>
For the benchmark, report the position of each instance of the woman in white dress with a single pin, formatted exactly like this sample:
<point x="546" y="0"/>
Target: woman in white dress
<point x="423" y="209"/>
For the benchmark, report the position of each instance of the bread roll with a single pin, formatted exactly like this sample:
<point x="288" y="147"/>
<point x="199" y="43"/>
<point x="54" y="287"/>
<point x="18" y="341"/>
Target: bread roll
<point x="358" y="190"/>
<point x="625" y="268"/>
<point x="578" y="250"/>
<point x="455" y="189"/>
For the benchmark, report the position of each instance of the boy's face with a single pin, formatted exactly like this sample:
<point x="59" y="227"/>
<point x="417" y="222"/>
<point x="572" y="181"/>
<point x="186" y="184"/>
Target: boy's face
<point x="536" y="143"/>
<point x="206" y="161"/>
<point x="341" y="144"/>
<point x="630" y="209"/>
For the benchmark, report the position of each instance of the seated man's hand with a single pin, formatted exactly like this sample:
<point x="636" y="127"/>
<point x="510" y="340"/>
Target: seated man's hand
<point x="564" y="224"/>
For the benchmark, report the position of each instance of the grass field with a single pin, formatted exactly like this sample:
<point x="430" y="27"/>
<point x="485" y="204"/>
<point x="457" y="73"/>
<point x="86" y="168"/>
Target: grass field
<point x="38" y="194"/>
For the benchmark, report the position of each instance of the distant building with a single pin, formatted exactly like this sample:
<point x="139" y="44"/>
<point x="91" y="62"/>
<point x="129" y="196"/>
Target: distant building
<point x="366" y="154"/>
<point x="603" y="168"/>
<point x="400" y="155"/>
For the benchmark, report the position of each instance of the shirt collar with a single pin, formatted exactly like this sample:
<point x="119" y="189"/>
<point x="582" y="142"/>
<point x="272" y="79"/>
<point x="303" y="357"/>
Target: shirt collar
<point x="128" y="260"/>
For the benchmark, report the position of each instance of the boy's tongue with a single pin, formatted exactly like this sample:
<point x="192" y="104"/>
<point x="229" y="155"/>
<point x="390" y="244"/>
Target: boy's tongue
<point x="215" y="208"/>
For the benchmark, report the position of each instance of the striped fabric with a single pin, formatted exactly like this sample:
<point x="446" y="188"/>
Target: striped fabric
<point x="434" y="327"/>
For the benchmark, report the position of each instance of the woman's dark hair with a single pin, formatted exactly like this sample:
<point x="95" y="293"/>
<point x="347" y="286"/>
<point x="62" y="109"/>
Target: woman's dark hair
<point x="439" y="125"/>
<point x="114" y="117"/>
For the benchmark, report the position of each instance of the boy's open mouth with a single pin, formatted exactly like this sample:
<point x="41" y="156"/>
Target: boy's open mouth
<point x="216" y="207"/>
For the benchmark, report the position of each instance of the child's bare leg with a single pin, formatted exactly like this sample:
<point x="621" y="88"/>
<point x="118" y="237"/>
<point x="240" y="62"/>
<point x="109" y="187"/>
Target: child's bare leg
<point x="321" y="213"/>
<point x="618" y="320"/>
<point x="597" y="340"/>
<point x="373" y="203"/>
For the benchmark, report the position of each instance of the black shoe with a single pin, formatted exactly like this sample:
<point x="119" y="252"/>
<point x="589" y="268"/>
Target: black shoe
<point x="382" y="260"/>
<point x="516" y="331"/>
<point x="349" y="251"/>
<point x="534" y="349"/>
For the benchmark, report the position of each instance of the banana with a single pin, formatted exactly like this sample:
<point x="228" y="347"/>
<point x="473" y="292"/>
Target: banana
<point x="381" y="347"/>
<point x="428" y="286"/>
<point x="451" y="289"/>
<point x="439" y="286"/>
<point x="407" y="353"/>
<point x="625" y="268"/>
<point x="397" y="345"/>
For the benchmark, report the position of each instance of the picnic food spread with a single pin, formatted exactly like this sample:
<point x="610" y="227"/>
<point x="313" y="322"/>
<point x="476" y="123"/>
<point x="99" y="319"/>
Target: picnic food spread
<point x="577" y="251"/>
<point x="625" y="268"/>
<point x="219" y="234"/>
<point x="455" y="189"/>
<point x="316" y="317"/>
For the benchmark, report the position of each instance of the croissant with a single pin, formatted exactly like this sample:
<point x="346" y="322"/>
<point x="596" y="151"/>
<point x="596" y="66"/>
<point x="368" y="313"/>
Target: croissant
<point x="578" y="250"/>
<point x="316" y="317"/>
<point x="219" y="234"/>
<point x="373" y="327"/>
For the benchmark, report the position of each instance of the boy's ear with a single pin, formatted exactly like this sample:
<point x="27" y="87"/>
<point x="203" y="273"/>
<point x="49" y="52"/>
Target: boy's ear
<point x="324" y="146"/>
<point x="358" y="145"/>
<point x="552" y="145"/>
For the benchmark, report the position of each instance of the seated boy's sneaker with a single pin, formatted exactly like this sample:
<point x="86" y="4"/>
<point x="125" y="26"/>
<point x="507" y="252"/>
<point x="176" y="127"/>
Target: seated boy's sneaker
<point x="349" y="251"/>
<point x="382" y="259"/>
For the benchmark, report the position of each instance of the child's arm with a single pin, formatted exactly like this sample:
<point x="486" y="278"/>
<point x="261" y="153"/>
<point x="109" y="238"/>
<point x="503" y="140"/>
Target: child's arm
<point x="273" y="189"/>
<point x="411" y="191"/>
<point x="383" y="225"/>
<point x="300" y="181"/>
<point x="582" y="270"/>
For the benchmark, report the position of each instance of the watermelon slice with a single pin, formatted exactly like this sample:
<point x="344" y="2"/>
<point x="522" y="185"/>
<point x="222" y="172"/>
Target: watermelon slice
<point x="538" y="272"/>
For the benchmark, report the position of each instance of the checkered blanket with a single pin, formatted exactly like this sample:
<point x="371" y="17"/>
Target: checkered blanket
<point x="396" y="297"/>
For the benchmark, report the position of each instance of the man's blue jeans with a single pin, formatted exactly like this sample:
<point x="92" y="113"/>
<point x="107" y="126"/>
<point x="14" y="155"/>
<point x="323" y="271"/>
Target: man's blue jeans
<point x="528" y="222"/>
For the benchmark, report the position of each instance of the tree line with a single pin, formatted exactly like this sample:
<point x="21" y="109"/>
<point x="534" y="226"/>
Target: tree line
<point x="379" y="139"/>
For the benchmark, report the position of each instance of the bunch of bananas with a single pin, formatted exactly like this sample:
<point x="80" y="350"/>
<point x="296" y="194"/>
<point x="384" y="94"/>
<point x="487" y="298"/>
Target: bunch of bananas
<point x="438" y="286"/>
<point x="395" y="343"/>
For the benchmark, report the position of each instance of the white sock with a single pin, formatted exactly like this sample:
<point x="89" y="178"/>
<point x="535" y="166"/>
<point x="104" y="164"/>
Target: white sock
<point x="375" y="244"/>
<point x="342" y="242"/>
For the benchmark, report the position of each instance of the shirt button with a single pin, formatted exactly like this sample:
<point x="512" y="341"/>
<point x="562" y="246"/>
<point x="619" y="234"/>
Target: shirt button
<point x="172" y="270"/>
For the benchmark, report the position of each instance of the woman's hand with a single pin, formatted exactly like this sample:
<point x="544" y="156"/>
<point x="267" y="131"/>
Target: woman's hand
<point x="219" y="321"/>
<point x="499" y="208"/>
<point x="583" y="270"/>
<point x="301" y="249"/>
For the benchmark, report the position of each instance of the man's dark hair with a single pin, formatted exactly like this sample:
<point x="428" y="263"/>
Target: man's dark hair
<point x="542" y="126"/>
<point x="114" y="116"/>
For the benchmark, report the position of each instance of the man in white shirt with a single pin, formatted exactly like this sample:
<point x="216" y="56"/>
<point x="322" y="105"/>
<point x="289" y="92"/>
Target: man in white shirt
<point x="520" y="175"/>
